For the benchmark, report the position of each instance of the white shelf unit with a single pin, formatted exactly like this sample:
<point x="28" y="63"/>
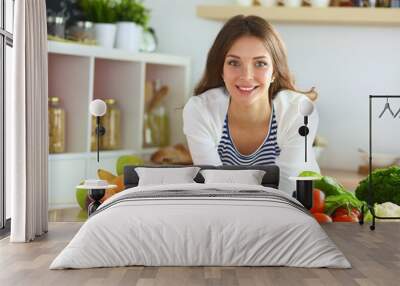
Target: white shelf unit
<point x="80" y="73"/>
<point x="113" y="79"/>
<point x="310" y="15"/>
<point x="70" y="80"/>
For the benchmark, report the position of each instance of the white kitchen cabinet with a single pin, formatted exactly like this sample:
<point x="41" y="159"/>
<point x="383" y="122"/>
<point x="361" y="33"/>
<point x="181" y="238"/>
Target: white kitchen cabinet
<point x="65" y="174"/>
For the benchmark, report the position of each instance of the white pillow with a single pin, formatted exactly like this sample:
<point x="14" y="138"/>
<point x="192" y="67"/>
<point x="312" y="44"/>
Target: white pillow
<point x="248" y="177"/>
<point x="162" y="176"/>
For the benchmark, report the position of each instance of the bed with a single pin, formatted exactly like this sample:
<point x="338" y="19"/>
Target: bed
<point x="201" y="224"/>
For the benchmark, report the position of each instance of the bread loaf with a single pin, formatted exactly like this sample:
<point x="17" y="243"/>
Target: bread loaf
<point x="177" y="154"/>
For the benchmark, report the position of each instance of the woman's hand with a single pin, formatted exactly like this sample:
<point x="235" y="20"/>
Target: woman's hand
<point x="312" y="94"/>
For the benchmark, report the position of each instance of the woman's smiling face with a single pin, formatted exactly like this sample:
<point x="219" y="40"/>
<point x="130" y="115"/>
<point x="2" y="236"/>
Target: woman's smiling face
<point x="248" y="70"/>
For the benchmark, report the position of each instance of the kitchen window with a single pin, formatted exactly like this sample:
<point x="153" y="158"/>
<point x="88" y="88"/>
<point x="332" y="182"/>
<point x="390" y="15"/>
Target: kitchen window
<point x="6" y="44"/>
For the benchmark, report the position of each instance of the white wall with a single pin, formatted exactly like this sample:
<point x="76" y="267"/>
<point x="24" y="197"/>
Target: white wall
<point x="346" y="64"/>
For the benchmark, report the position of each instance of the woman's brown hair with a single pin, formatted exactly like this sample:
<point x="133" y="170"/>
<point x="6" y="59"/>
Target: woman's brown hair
<point x="236" y="27"/>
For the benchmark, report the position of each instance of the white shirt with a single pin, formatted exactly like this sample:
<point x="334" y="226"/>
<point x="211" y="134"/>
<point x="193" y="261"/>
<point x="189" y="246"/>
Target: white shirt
<point x="203" y="119"/>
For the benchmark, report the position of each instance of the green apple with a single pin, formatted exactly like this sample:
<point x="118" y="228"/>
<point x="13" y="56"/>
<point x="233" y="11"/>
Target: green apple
<point x="81" y="196"/>
<point x="127" y="160"/>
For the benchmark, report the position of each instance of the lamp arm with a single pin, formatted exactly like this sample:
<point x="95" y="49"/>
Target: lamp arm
<point x="98" y="136"/>
<point x="305" y="148"/>
<point x="100" y="131"/>
<point x="303" y="131"/>
<point x="305" y="138"/>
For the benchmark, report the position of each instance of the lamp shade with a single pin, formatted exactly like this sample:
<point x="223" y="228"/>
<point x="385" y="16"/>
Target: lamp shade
<point x="306" y="107"/>
<point x="98" y="107"/>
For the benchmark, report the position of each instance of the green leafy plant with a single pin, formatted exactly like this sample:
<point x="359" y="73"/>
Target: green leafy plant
<point x="336" y="196"/>
<point x="132" y="11"/>
<point x="99" y="11"/>
<point x="385" y="186"/>
<point x="346" y="200"/>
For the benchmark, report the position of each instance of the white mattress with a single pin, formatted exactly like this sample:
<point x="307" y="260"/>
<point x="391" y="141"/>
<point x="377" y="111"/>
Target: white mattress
<point x="188" y="231"/>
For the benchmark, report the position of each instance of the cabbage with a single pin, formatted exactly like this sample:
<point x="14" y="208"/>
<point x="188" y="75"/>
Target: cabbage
<point x="387" y="209"/>
<point x="385" y="186"/>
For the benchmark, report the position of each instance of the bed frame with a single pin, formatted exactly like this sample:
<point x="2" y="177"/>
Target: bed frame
<point x="270" y="179"/>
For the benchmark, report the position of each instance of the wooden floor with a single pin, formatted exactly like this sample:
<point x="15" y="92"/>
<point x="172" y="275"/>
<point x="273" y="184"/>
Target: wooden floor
<point x="68" y="215"/>
<point x="375" y="257"/>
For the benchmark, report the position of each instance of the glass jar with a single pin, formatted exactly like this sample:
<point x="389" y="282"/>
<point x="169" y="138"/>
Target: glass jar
<point x="56" y="126"/>
<point x="83" y="32"/>
<point x="111" y="121"/>
<point x="382" y="3"/>
<point x="56" y="26"/>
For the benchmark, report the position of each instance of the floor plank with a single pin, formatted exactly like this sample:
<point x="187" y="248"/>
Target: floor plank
<point x="375" y="257"/>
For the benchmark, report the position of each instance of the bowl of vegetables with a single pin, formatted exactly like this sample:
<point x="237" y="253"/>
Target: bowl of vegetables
<point x="332" y="202"/>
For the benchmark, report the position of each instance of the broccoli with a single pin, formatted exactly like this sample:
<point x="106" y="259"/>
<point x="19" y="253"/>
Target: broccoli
<point x="385" y="186"/>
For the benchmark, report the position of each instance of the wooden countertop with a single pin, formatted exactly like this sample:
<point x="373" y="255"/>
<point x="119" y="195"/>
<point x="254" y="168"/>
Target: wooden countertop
<point x="349" y="179"/>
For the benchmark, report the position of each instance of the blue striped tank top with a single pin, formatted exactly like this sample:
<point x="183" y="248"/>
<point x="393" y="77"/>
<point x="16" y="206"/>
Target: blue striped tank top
<point x="266" y="154"/>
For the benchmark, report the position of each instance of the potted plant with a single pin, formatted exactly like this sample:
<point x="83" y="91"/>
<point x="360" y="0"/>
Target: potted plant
<point x="103" y="14"/>
<point x="132" y="18"/>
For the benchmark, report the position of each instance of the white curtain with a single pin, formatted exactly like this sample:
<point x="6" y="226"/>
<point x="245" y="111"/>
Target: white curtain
<point x="26" y="123"/>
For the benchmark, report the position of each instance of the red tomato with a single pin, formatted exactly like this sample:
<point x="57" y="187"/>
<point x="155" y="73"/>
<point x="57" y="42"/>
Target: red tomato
<point x="322" y="218"/>
<point x="318" y="201"/>
<point x="345" y="211"/>
<point x="345" y="218"/>
<point x="344" y="215"/>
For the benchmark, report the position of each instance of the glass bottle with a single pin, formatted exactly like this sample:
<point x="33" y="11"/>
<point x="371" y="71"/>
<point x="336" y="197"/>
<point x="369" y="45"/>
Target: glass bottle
<point x="148" y="137"/>
<point x="161" y="122"/>
<point x="156" y="132"/>
<point x="56" y="126"/>
<point x="111" y="121"/>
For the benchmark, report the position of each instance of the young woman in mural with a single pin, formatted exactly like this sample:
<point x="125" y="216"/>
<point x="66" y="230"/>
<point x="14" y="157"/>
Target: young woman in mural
<point x="245" y="108"/>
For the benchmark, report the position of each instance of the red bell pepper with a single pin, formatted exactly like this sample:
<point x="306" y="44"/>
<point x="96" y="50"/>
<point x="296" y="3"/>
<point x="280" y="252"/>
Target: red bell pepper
<point x="318" y="201"/>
